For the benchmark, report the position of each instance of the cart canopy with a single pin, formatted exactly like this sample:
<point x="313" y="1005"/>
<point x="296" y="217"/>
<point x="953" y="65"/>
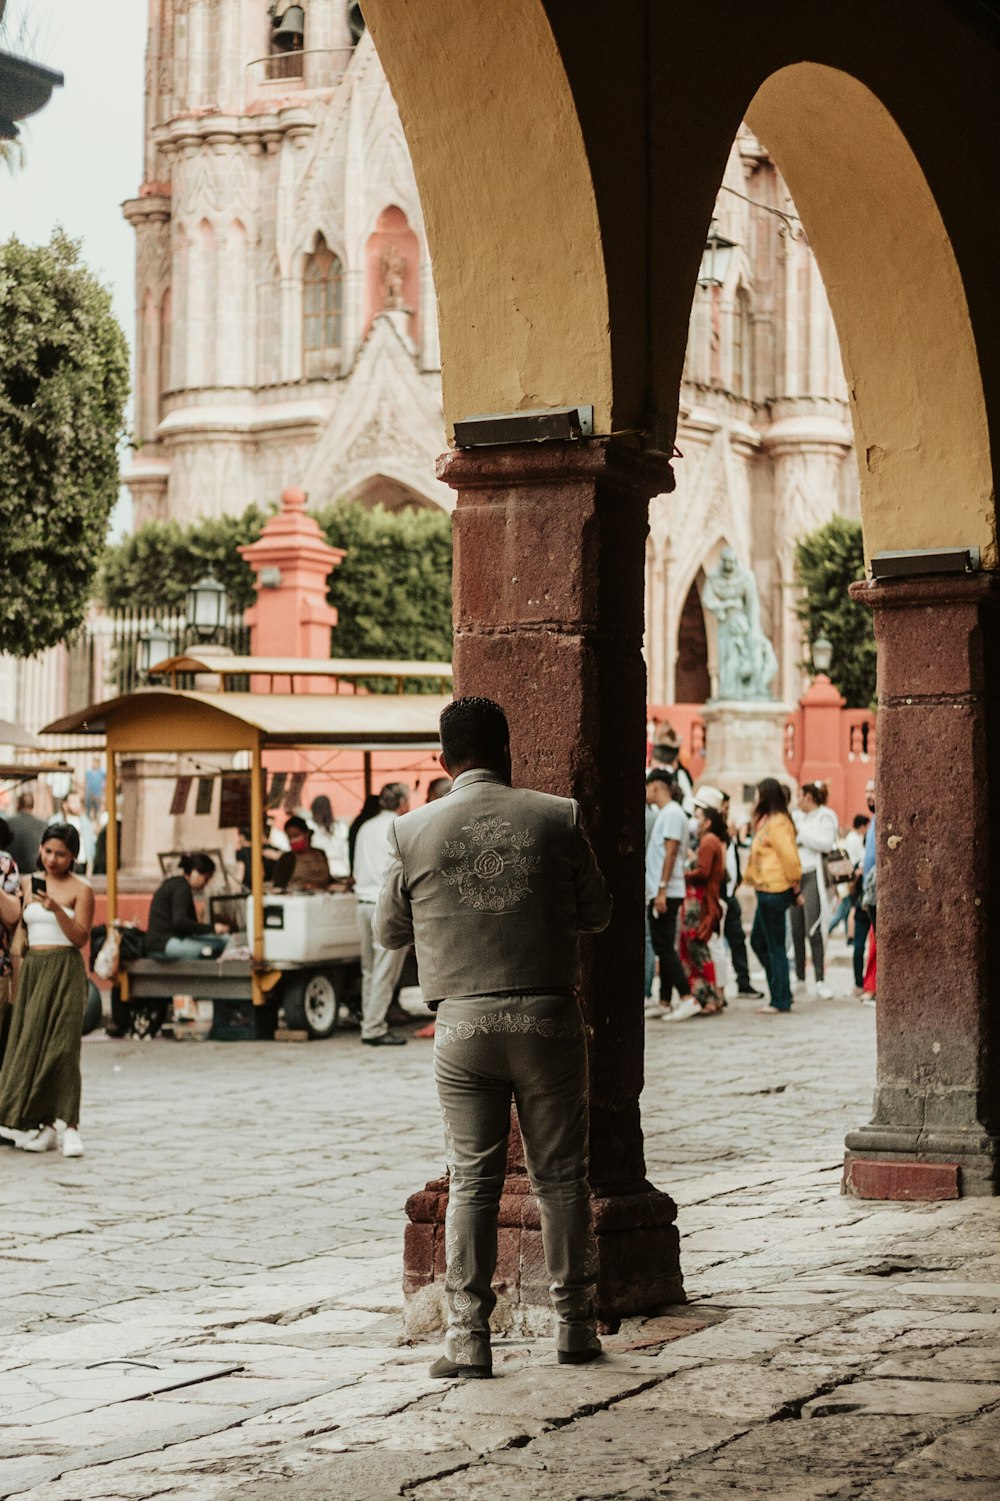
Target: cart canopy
<point x="164" y="720"/>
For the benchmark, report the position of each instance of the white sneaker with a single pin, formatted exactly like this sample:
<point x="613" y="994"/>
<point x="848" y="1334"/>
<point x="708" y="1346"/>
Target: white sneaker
<point x="683" y="1011"/>
<point x="72" y="1146"/>
<point x="823" y="991"/>
<point x="42" y="1139"/>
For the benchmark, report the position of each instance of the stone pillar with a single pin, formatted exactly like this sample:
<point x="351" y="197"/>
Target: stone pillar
<point x="820" y="728"/>
<point x="292" y="561"/>
<point x="936" y="1121"/>
<point x="549" y="555"/>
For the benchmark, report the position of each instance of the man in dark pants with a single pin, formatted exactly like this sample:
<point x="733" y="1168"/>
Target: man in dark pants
<point x="732" y="930"/>
<point x="495" y="884"/>
<point x="665" y="855"/>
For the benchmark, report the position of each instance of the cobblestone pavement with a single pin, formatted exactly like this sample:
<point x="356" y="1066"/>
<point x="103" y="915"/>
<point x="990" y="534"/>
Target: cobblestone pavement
<point x="206" y="1307"/>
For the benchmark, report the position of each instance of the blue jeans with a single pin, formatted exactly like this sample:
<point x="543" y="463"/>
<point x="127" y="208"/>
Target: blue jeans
<point x="862" y="927"/>
<point x="841" y="915"/>
<point x="768" y="942"/>
<point x="194" y="948"/>
<point x="650" y="962"/>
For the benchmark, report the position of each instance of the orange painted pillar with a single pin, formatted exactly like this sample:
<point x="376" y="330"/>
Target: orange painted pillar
<point x="820" y="707"/>
<point x="291" y="617"/>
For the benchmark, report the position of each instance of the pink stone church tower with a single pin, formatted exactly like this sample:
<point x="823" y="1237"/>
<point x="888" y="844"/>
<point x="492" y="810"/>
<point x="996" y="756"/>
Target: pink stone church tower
<point x="286" y="324"/>
<point x="286" y="329"/>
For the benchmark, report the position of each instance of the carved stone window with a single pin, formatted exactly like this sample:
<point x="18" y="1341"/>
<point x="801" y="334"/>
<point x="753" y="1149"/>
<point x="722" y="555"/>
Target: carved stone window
<point x="322" y="311"/>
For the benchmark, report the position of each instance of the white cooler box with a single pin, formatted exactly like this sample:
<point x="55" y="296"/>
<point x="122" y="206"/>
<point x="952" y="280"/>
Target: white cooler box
<point x="307" y="927"/>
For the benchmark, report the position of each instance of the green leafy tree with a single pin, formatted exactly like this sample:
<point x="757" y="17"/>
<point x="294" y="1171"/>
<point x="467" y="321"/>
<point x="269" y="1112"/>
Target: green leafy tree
<point x="828" y="560"/>
<point x="392" y="590"/>
<point x="63" y="386"/>
<point x="157" y="565"/>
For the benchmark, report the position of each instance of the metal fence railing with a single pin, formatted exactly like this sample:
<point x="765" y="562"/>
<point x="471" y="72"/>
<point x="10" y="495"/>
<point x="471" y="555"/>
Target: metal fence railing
<point x="126" y="628"/>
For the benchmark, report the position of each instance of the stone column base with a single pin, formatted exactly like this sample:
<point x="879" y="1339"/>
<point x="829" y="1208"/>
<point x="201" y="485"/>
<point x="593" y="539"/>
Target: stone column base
<point x="636" y="1236"/>
<point x="899" y="1162"/>
<point x="743" y="743"/>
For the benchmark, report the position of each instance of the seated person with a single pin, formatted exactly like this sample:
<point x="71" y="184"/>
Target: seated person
<point x="174" y="928"/>
<point x="243" y="855"/>
<point x="302" y="868"/>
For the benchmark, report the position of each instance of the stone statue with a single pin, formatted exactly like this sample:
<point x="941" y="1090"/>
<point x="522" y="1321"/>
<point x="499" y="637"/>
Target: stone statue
<point x="392" y="267"/>
<point x="747" y="663"/>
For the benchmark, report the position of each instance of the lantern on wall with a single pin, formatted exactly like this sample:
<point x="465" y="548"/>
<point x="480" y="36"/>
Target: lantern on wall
<point x="153" y="647"/>
<point x="821" y="652"/>
<point x="715" y="258"/>
<point x="207" y="608"/>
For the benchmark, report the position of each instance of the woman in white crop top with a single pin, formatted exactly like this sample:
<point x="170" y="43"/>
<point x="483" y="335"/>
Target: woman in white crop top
<point x="40" y="1078"/>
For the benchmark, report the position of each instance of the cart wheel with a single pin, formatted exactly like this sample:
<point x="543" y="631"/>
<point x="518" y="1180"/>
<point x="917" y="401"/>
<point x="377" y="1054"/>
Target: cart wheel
<point x="310" y="1003"/>
<point x="93" y="1011"/>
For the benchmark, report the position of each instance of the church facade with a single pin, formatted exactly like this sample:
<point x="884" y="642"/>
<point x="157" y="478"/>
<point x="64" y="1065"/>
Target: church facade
<point x="286" y="324"/>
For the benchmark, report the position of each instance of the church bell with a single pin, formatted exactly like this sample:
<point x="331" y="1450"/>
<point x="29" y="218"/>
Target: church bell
<point x="289" y="30"/>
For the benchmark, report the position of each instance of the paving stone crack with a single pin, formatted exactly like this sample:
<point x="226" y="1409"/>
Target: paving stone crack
<point x="411" y="1487"/>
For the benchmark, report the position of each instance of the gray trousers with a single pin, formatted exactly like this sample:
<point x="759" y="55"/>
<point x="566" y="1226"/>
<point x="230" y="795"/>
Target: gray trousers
<point x="488" y="1049"/>
<point x="380" y="970"/>
<point x="807" y="922"/>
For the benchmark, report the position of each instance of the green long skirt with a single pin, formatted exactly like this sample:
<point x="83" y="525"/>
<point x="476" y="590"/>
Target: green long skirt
<point x="40" y="1078"/>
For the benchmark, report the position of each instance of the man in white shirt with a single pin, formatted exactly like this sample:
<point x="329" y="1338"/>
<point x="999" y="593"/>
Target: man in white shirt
<point x="666" y="854"/>
<point x="380" y="968"/>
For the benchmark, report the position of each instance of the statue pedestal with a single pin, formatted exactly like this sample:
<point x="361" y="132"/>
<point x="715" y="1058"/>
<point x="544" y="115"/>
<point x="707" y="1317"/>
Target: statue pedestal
<point x="743" y="743"/>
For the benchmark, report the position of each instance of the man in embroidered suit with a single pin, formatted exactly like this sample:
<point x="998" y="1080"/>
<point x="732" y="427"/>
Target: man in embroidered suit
<point x="494" y="885"/>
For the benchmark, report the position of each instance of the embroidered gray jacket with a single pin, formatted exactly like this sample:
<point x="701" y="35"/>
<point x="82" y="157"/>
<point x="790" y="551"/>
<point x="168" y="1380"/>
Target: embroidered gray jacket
<point x="494" y="884"/>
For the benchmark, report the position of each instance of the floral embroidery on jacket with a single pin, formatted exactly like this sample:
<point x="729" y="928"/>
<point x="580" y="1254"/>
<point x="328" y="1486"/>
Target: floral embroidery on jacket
<point x="490" y="867"/>
<point x="504" y="1021"/>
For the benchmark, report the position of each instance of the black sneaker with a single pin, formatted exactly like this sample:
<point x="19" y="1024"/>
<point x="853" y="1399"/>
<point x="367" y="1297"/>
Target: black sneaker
<point x="750" y="994"/>
<point x="387" y="1040"/>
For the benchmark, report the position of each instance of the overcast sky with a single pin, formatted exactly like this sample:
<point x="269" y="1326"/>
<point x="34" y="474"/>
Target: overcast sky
<point x="83" y="152"/>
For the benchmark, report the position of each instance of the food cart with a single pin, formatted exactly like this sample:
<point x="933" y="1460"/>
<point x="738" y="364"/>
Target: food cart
<point x="158" y="721"/>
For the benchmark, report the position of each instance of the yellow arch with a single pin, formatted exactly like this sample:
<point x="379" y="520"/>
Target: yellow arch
<point x="508" y="203"/>
<point x="906" y="339"/>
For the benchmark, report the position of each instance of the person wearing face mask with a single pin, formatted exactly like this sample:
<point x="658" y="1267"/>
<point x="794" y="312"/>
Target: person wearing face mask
<point x="302" y="868"/>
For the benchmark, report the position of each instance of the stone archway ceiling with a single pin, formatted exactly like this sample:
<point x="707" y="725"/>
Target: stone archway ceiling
<point x="898" y="302"/>
<point x="586" y="182"/>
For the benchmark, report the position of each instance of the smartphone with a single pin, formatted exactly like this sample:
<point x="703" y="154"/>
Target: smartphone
<point x="39" y="886"/>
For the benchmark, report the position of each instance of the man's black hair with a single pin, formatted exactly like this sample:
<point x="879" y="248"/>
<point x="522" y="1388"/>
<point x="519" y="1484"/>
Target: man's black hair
<point x="660" y="774"/>
<point x="474" y="730"/>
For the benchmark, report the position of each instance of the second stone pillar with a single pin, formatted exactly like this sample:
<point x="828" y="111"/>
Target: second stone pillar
<point x="549" y="558"/>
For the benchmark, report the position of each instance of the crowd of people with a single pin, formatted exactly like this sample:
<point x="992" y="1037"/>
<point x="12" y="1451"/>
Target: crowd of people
<point x="47" y="914"/>
<point x="807" y="876"/>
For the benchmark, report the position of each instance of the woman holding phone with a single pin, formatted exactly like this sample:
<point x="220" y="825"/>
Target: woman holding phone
<point x="40" y="1078"/>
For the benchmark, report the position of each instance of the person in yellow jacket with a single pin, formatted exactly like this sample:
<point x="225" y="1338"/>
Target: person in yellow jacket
<point x="775" y="872"/>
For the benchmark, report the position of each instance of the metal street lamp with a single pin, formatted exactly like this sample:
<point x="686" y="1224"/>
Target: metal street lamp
<point x="207" y="608"/>
<point x="821" y="652"/>
<point x="715" y="258"/>
<point x="153" y="647"/>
